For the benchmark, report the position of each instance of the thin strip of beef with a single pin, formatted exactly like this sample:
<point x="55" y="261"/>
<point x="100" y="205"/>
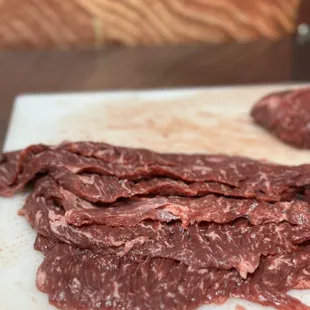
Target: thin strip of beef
<point x="43" y="162"/>
<point x="11" y="165"/>
<point x="238" y="245"/>
<point x="47" y="157"/>
<point x="286" y="115"/>
<point x="209" y="208"/>
<point x="108" y="189"/>
<point x="260" y="174"/>
<point x="82" y="279"/>
<point x="233" y="171"/>
<point x="131" y="156"/>
<point x="256" y="175"/>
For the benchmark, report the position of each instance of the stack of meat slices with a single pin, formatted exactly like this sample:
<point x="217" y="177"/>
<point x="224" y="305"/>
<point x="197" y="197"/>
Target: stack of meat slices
<point x="125" y="228"/>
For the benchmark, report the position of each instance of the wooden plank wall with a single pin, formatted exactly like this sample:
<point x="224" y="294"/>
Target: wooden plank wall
<point x="94" y="23"/>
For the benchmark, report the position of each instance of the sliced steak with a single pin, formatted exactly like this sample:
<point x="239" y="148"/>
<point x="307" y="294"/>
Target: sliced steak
<point x="80" y="279"/>
<point x="133" y="156"/>
<point x="132" y="229"/>
<point x="247" y="177"/>
<point x="236" y="245"/>
<point x="209" y="208"/>
<point x="107" y="189"/>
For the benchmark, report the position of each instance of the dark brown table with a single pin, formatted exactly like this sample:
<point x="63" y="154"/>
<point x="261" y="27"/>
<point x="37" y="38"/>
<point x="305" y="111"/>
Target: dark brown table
<point x="135" y="68"/>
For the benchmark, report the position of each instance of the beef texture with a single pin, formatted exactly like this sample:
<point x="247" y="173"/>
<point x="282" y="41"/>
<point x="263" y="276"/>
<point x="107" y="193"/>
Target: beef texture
<point x="230" y="176"/>
<point x="287" y="115"/>
<point x="210" y="208"/>
<point x="80" y="279"/>
<point x="203" y="245"/>
<point x="124" y="228"/>
<point x="107" y="189"/>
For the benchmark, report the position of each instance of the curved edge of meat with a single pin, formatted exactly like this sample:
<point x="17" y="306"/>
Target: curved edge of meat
<point x="286" y="115"/>
<point x="262" y="111"/>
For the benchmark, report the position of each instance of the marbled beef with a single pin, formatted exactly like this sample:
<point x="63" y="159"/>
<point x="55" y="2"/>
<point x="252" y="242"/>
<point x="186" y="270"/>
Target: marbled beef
<point x="206" y="245"/>
<point x="80" y="279"/>
<point x="107" y="189"/>
<point x="128" y="229"/>
<point x="286" y="114"/>
<point x="240" y="176"/>
<point x="130" y="212"/>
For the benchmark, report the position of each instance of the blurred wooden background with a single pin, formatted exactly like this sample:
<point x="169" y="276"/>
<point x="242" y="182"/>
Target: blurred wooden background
<point x="44" y="24"/>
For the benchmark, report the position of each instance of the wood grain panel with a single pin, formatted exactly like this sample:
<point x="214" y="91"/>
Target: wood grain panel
<point x="47" y="23"/>
<point x="59" y="23"/>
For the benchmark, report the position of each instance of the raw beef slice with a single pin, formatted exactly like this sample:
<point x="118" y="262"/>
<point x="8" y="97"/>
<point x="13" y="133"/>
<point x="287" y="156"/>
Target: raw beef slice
<point x="286" y="114"/>
<point x="124" y="228"/>
<point x="79" y="279"/>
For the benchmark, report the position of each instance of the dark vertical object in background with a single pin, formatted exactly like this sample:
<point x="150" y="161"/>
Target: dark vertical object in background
<point x="301" y="49"/>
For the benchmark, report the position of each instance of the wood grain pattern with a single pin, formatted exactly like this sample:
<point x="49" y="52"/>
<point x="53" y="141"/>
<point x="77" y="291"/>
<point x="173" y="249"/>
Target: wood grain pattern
<point x="58" y="23"/>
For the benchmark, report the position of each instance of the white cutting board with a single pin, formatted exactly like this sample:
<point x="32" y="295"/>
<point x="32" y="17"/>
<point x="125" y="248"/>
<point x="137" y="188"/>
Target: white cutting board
<point x="208" y="120"/>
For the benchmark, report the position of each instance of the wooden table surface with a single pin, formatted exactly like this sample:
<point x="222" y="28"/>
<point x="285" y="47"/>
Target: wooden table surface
<point x="157" y="67"/>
